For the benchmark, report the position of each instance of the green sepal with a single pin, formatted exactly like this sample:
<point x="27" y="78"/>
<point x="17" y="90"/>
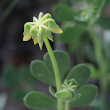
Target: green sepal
<point x="51" y="90"/>
<point x="64" y="96"/>
<point x="34" y="33"/>
<point x="48" y="16"/>
<point x="27" y="28"/>
<point x="40" y="15"/>
<point x="53" y="26"/>
<point x="48" y="34"/>
<point x="37" y="100"/>
<point x="40" y="37"/>
<point x="74" y="84"/>
<point x="34" y="19"/>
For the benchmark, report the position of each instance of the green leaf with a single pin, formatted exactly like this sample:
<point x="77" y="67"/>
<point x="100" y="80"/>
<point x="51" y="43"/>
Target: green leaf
<point x="10" y="76"/>
<point x="88" y="94"/>
<point x="37" y="100"/>
<point x="94" y="72"/>
<point x="51" y="90"/>
<point x="63" y="12"/>
<point x="72" y="33"/>
<point x="65" y="96"/>
<point x="107" y="3"/>
<point x="18" y="95"/>
<point x="76" y="96"/>
<point x="63" y="61"/>
<point x="104" y="21"/>
<point x="41" y="72"/>
<point x="26" y="77"/>
<point x="80" y="74"/>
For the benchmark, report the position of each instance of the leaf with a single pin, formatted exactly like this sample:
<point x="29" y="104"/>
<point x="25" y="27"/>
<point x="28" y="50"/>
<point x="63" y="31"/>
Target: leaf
<point x="88" y="94"/>
<point x="104" y="21"/>
<point x="63" y="12"/>
<point x="72" y="33"/>
<point x="88" y="51"/>
<point x="94" y="72"/>
<point x="80" y="74"/>
<point x="63" y="61"/>
<point x="65" y="96"/>
<point x="41" y="72"/>
<point x="76" y="96"/>
<point x="26" y="77"/>
<point x="10" y="76"/>
<point x="51" y="90"/>
<point x="18" y="95"/>
<point x="107" y="3"/>
<point x="37" y="100"/>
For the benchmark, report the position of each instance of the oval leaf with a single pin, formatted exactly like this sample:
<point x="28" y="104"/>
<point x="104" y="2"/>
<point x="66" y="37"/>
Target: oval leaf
<point x="65" y="96"/>
<point x="72" y="33"/>
<point x="63" y="12"/>
<point x="37" y="100"/>
<point x="88" y="94"/>
<point x="63" y="61"/>
<point x="104" y="21"/>
<point x="80" y="74"/>
<point x="51" y="90"/>
<point x="41" y="72"/>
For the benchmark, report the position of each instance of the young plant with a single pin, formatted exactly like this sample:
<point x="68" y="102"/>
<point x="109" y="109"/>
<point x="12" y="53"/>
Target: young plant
<point x="69" y="86"/>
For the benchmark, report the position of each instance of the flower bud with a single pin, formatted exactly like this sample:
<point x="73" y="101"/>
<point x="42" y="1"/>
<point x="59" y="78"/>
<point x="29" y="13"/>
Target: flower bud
<point x="26" y="33"/>
<point x="40" y="15"/>
<point x="54" y="27"/>
<point x="49" y="34"/>
<point x="34" y="33"/>
<point x="48" y="16"/>
<point x="40" y="37"/>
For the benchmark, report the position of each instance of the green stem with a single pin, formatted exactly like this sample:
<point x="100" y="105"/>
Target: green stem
<point x="56" y="70"/>
<point x="66" y="105"/>
<point x="100" y="60"/>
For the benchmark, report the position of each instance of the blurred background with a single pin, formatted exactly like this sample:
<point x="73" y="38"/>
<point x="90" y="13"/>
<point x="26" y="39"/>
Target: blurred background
<point x="86" y="37"/>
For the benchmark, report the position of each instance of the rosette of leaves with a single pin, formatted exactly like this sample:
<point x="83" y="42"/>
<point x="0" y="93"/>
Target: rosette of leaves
<point x="73" y="88"/>
<point x="67" y="93"/>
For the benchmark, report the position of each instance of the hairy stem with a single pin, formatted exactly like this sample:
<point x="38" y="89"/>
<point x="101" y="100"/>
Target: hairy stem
<point x="100" y="59"/>
<point x="66" y="105"/>
<point x="56" y="70"/>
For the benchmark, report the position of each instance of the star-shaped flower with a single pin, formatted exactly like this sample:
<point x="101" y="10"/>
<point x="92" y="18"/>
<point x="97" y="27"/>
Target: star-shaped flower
<point x="43" y="26"/>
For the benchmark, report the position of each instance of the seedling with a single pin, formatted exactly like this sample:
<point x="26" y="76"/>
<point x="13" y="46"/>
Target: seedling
<point x="70" y="86"/>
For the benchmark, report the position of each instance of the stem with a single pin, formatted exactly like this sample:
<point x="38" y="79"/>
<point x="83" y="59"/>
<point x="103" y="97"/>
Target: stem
<point x="56" y="70"/>
<point x="66" y="105"/>
<point x="100" y="60"/>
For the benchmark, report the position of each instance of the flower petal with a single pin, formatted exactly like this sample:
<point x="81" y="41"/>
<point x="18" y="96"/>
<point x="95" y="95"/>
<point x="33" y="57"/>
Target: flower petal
<point x="49" y="34"/>
<point x="35" y="41"/>
<point x="40" y="37"/>
<point x="40" y="15"/>
<point x="27" y="37"/>
<point x="54" y="27"/>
